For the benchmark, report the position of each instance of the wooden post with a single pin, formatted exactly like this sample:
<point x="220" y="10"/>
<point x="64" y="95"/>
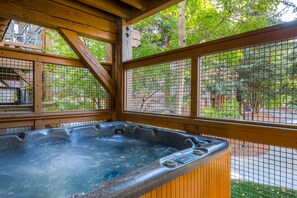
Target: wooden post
<point x="126" y="42"/>
<point x="89" y="60"/>
<point x="195" y="102"/>
<point x="181" y="65"/>
<point x="127" y="39"/>
<point x="109" y="52"/>
<point x="37" y="87"/>
<point x="122" y="51"/>
<point x="38" y="124"/>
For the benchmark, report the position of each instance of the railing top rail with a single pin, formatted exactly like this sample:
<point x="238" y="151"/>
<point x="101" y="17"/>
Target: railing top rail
<point x="7" y="52"/>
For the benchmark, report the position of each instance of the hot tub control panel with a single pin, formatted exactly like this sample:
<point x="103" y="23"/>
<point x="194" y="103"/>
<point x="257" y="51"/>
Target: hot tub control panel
<point x="186" y="158"/>
<point x="202" y="148"/>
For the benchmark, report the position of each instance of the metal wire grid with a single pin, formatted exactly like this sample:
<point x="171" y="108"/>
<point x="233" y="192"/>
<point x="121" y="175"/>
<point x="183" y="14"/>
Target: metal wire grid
<point x="16" y="85"/>
<point x="15" y="129"/>
<point x="75" y="124"/>
<point x="257" y="83"/>
<point x="163" y="88"/>
<point x="262" y="171"/>
<point x="69" y="88"/>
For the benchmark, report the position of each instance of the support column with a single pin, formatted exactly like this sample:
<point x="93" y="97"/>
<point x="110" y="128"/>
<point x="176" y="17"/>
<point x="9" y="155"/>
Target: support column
<point x="122" y="51"/>
<point x="38" y="124"/>
<point x="195" y="102"/>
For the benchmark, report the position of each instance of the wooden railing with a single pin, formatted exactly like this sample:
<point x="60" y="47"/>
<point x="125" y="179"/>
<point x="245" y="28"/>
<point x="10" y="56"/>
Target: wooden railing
<point x="259" y="132"/>
<point x="263" y="162"/>
<point x="39" y="119"/>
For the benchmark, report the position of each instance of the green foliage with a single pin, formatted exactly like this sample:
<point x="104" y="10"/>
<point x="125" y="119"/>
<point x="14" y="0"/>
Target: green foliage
<point x="58" y="46"/>
<point x="206" y="20"/>
<point x="246" y="189"/>
<point x="74" y="88"/>
<point x="158" y="33"/>
<point x="228" y="109"/>
<point x="97" y="48"/>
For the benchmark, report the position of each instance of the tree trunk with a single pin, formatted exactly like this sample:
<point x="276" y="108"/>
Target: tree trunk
<point x="181" y="66"/>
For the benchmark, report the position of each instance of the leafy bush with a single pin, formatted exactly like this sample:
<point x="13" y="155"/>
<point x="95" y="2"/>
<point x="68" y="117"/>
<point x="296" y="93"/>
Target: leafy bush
<point x="229" y="109"/>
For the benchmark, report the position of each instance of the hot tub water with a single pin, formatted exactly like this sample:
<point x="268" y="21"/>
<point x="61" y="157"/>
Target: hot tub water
<point x="62" y="168"/>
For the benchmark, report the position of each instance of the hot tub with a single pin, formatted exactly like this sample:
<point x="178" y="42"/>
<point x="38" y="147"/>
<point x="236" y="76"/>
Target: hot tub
<point x="114" y="159"/>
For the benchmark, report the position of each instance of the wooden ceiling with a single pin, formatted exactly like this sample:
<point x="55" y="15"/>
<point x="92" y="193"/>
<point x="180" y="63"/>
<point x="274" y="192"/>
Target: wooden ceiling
<point x="131" y="10"/>
<point x="90" y="18"/>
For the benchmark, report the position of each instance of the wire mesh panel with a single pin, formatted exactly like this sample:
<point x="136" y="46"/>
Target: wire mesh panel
<point x="16" y="85"/>
<point x="258" y="83"/>
<point x="69" y="124"/>
<point x="15" y="129"/>
<point x="69" y="88"/>
<point x="261" y="170"/>
<point x="163" y="88"/>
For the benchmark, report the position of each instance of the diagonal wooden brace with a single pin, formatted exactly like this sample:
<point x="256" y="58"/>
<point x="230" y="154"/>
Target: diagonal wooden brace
<point x="89" y="60"/>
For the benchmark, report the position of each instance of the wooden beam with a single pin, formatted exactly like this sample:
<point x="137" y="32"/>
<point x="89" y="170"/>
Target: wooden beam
<point x="112" y="6"/>
<point x="37" y="87"/>
<point x="139" y="4"/>
<point x="13" y="124"/>
<point x="22" y="75"/>
<point x="20" y="45"/>
<point x="77" y="119"/>
<point x="89" y="60"/>
<point x="87" y="9"/>
<point x="153" y="7"/>
<point x="13" y="117"/>
<point x="54" y="15"/>
<point x="195" y="102"/>
<point x="4" y="83"/>
<point x="39" y="121"/>
<point x="10" y="53"/>
<point x="4" y="23"/>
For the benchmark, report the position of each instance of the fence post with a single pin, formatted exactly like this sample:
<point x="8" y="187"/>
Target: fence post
<point x="194" y="87"/>
<point x="38" y="93"/>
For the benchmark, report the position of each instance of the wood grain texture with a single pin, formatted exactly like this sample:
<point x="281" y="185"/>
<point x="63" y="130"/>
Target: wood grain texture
<point x="194" y="87"/>
<point x="20" y="54"/>
<point x="89" y="60"/>
<point x="112" y="6"/>
<point x="37" y="87"/>
<point x="4" y="23"/>
<point x="139" y="4"/>
<point x="257" y="132"/>
<point x="54" y="15"/>
<point x="209" y="181"/>
<point x="152" y="7"/>
<point x="40" y="120"/>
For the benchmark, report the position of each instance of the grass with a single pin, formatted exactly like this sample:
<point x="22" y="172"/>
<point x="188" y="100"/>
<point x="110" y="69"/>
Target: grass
<point x="241" y="188"/>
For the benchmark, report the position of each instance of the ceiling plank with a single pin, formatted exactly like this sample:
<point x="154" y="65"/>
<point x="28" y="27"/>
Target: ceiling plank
<point x="53" y="15"/>
<point x="153" y="7"/>
<point x="112" y="6"/>
<point x="139" y="4"/>
<point x="89" y="60"/>
<point x="4" y="23"/>
<point x="87" y="8"/>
